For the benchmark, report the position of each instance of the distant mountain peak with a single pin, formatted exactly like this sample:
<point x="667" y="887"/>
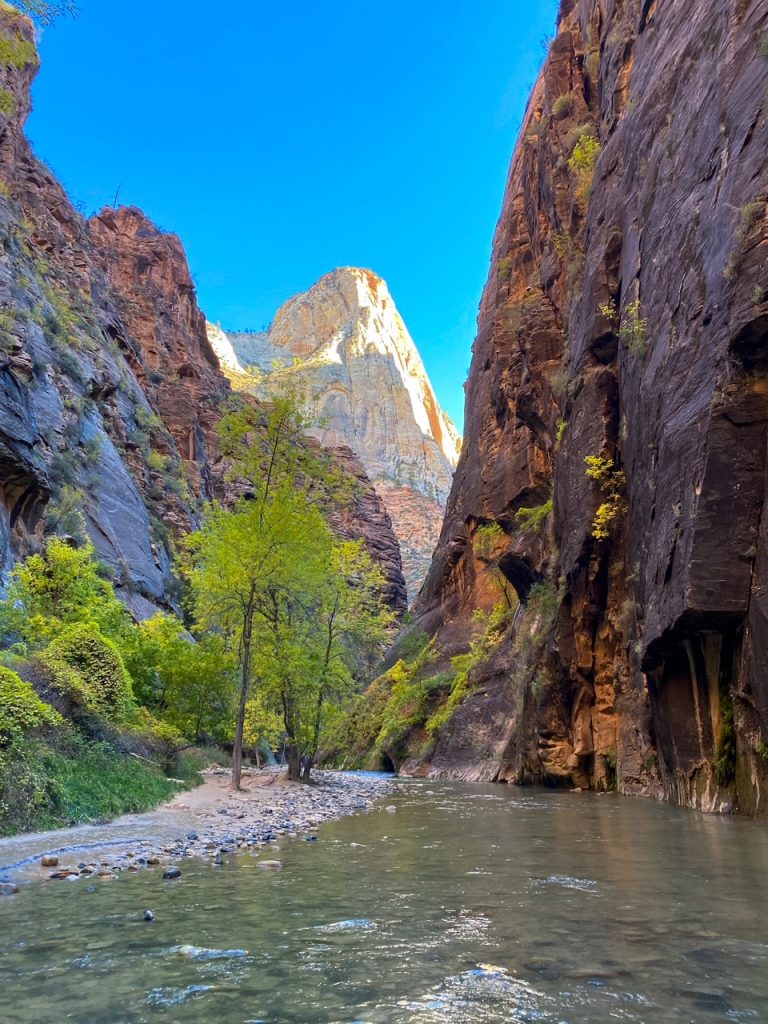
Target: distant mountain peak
<point x="345" y="344"/>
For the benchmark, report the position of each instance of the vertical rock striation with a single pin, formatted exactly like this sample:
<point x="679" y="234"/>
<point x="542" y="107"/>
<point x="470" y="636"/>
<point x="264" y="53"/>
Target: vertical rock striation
<point x="344" y="344"/>
<point x="625" y="320"/>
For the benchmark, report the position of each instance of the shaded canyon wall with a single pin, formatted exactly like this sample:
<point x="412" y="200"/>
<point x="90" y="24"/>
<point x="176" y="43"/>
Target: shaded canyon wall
<point x="625" y="319"/>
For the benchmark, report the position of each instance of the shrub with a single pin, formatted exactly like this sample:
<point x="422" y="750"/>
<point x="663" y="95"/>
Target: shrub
<point x="16" y="52"/>
<point x="7" y="102"/>
<point x="62" y="686"/>
<point x="611" y="480"/>
<point x="582" y="165"/>
<point x="492" y="629"/>
<point x="60" y="586"/>
<point x="750" y="216"/>
<point x="563" y="107"/>
<point x="725" y="756"/>
<point x="504" y="266"/>
<point x="534" y="518"/>
<point x="21" y="710"/>
<point x="98" y="661"/>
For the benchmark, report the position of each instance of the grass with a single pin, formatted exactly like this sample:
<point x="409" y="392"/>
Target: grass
<point x="67" y="779"/>
<point x="94" y="782"/>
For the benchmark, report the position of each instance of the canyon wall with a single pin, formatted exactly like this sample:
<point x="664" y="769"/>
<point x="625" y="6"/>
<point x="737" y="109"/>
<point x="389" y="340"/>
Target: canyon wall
<point x="110" y="391"/>
<point x="345" y="346"/>
<point x="625" y="322"/>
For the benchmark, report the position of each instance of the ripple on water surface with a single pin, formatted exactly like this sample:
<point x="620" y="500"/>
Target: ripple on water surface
<point x="473" y="905"/>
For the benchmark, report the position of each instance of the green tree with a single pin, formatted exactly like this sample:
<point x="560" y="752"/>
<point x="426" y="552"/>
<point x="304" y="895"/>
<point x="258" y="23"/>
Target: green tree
<point x="351" y="626"/>
<point x="189" y="683"/>
<point x="239" y="563"/>
<point x="59" y="587"/>
<point x="264" y="573"/>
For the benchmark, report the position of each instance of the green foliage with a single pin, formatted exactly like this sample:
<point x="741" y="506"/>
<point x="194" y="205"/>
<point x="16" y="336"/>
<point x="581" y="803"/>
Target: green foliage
<point x="487" y="539"/>
<point x="725" y="756"/>
<point x="190" y="684"/>
<point x="562" y="426"/>
<point x="582" y="163"/>
<point x="56" y="588"/>
<point x="492" y="628"/>
<point x="762" y="45"/>
<point x="598" y="468"/>
<point x="72" y="781"/>
<point x="297" y="606"/>
<point x="16" y="52"/>
<point x="633" y="329"/>
<point x="7" y="102"/>
<point x="81" y="646"/>
<point x="21" y="710"/>
<point x="563" y="106"/>
<point x="611" y="511"/>
<point x="411" y="644"/>
<point x="749" y="217"/>
<point x="504" y="266"/>
<point x="64" y="514"/>
<point x="539" y="616"/>
<point x="534" y="519"/>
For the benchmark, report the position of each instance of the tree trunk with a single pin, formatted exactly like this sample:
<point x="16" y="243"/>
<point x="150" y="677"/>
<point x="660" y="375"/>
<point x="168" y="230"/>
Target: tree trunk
<point x="307" y="769"/>
<point x="245" y="678"/>
<point x="294" y="762"/>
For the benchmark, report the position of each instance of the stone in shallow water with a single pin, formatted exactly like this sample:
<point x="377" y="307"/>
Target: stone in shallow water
<point x="172" y="873"/>
<point x="270" y="864"/>
<point x="8" y="889"/>
<point x="49" y="861"/>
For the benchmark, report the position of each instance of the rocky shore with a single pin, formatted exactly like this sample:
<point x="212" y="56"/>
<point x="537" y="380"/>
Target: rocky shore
<point x="211" y="822"/>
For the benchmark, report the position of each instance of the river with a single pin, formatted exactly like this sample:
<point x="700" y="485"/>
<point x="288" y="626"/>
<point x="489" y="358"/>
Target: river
<point x="468" y="904"/>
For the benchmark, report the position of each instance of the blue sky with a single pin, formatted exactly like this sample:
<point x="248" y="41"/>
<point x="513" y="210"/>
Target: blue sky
<point x="283" y="140"/>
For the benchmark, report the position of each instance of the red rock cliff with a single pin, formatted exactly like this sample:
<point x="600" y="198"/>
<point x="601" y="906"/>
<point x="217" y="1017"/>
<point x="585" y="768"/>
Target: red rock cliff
<point x="625" y="319"/>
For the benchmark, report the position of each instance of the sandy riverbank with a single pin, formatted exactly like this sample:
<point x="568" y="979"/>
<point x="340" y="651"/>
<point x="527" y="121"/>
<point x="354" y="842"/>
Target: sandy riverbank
<point x="212" y="822"/>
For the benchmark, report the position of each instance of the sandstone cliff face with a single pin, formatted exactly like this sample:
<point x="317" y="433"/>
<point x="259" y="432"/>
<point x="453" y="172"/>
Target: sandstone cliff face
<point x="109" y="388"/>
<point x="344" y="344"/>
<point x="625" y="318"/>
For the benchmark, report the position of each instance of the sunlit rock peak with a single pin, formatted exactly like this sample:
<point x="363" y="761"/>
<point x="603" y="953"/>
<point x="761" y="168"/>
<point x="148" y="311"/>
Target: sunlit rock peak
<point x="346" y="347"/>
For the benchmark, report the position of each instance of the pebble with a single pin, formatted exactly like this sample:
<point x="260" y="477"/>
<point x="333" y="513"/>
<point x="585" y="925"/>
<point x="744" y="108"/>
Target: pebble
<point x="293" y="812"/>
<point x="8" y="889"/>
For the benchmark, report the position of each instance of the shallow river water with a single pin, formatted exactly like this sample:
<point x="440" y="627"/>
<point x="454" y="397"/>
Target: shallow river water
<point x="469" y="904"/>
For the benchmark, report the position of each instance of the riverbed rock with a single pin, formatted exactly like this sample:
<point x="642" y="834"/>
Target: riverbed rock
<point x="50" y="861"/>
<point x="171" y="873"/>
<point x="270" y="865"/>
<point x="148" y="915"/>
<point x="8" y="889"/>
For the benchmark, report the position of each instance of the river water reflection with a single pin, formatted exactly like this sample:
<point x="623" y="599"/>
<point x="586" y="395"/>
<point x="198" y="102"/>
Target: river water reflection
<point x="470" y="904"/>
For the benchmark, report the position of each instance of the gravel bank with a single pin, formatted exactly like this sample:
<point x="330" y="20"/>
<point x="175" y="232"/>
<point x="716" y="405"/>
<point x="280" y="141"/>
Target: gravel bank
<point x="211" y="822"/>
